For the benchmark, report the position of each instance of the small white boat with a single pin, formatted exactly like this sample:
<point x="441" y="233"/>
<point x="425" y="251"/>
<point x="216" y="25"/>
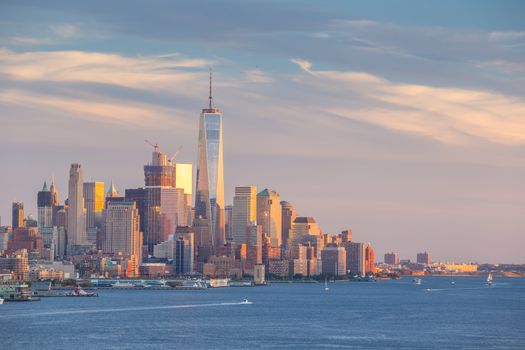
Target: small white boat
<point x="246" y="301"/>
<point x="417" y="280"/>
<point x="489" y="279"/>
<point x="326" y="285"/>
<point x="1" y="301"/>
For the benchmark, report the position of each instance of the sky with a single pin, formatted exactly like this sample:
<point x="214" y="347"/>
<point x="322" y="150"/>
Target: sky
<point x="402" y="120"/>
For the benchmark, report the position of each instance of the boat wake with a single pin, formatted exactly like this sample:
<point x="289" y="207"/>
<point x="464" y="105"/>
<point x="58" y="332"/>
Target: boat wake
<point x="124" y="309"/>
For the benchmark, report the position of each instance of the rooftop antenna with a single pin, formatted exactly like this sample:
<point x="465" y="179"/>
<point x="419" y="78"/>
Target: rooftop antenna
<point x="210" y="98"/>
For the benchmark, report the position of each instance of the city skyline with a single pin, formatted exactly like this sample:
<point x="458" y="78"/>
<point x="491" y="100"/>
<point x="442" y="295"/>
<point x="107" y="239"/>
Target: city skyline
<point x="385" y="150"/>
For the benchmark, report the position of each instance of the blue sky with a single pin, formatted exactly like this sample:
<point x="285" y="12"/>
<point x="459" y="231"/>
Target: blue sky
<point x="404" y="120"/>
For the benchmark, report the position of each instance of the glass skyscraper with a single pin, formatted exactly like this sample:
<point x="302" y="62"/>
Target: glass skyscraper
<point x="209" y="192"/>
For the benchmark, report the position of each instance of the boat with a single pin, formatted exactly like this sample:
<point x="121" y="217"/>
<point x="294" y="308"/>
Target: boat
<point x="246" y="301"/>
<point x="489" y="279"/>
<point x="417" y="280"/>
<point x="79" y="292"/>
<point x="326" y="284"/>
<point x="1" y="301"/>
<point x="119" y="284"/>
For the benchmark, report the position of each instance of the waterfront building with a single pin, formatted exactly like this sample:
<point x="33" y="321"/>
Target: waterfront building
<point x="334" y="261"/>
<point x="423" y="258"/>
<point x="76" y="214"/>
<point x="184" y="250"/>
<point x="288" y="216"/>
<point x="391" y="259"/>
<point x="5" y="232"/>
<point x="94" y="204"/>
<point x="269" y="214"/>
<point x="355" y="258"/>
<point x="370" y="266"/>
<point x="279" y="268"/>
<point x="244" y="211"/>
<point x="17" y="264"/>
<point x="26" y="238"/>
<point x="122" y="234"/>
<point x="18" y="215"/>
<point x="259" y="274"/>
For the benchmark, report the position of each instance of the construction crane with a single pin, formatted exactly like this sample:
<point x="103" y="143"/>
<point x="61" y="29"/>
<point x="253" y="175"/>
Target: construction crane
<point x="155" y="146"/>
<point x="175" y="154"/>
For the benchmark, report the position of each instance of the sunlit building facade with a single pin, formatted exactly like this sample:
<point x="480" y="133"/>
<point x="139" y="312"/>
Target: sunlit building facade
<point x="269" y="213"/>
<point x="94" y="204"/>
<point x="209" y="187"/>
<point x="244" y="211"/>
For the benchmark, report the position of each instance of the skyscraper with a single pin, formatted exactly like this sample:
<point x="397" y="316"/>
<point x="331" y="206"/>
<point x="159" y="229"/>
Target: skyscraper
<point x="423" y="258"/>
<point x="122" y="232"/>
<point x="289" y="214"/>
<point x="244" y="211"/>
<point x="356" y="258"/>
<point x="76" y="214"/>
<point x="184" y="250"/>
<point x="18" y="215"/>
<point x="269" y="213"/>
<point x="391" y="258"/>
<point x="209" y="187"/>
<point x="45" y="209"/>
<point x="94" y="204"/>
<point x="162" y="200"/>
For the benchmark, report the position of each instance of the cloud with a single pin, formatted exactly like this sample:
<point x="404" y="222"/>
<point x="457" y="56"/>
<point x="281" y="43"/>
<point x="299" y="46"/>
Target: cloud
<point x="64" y="30"/>
<point x="449" y="115"/>
<point x="509" y="35"/>
<point x="303" y="64"/>
<point x="141" y="72"/>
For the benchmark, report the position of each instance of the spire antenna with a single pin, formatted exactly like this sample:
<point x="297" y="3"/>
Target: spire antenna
<point x="210" y="98"/>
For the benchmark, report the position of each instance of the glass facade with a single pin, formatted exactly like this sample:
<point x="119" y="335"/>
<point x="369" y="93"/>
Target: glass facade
<point x="209" y="193"/>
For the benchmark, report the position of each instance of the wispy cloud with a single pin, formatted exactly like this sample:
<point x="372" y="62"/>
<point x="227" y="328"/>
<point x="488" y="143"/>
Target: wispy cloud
<point x="141" y="72"/>
<point x="449" y="115"/>
<point x="508" y="35"/>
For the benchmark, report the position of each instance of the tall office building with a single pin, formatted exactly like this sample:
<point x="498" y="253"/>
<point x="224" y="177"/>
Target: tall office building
<point x="165" y="205"/>
<point x="45" y="209"/>
<point x="269" y="214"/>
<point x="209" y="186"/>
<point x="76" y="214"/>
<point x="288" y="216"/>
<point x="302" y="227"/>
<point x="18" y="215"/>
<point x="370" y="266"/>
<point x="184" y="250"/>
<point x="355" y="258"/>
<point x="136" y="195"/>
<point x="121" y="231"/>
<point x="54" y="200"/>
<point x="391" y="259"/>
<point x="228" y="222"/>
<point x="333" y="261"/>
<point x="94" y="204"/>
<point x="244" y="211"/>
<point x="423" y="258"/>
<point x="254" y="241"/>
<point x="183" y="180"/>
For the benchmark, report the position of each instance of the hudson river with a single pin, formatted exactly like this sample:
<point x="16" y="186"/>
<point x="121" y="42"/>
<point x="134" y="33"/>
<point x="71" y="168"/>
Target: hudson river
<point x="361" y="315"/>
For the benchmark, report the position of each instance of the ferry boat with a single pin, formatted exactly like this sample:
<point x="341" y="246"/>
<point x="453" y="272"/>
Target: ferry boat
<point x="79" y="292"/>
<point x="11" y="290"/>
<point x="417" y="280"/>
<point x="219" y="282"/>
<point x="120" y="284"/>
